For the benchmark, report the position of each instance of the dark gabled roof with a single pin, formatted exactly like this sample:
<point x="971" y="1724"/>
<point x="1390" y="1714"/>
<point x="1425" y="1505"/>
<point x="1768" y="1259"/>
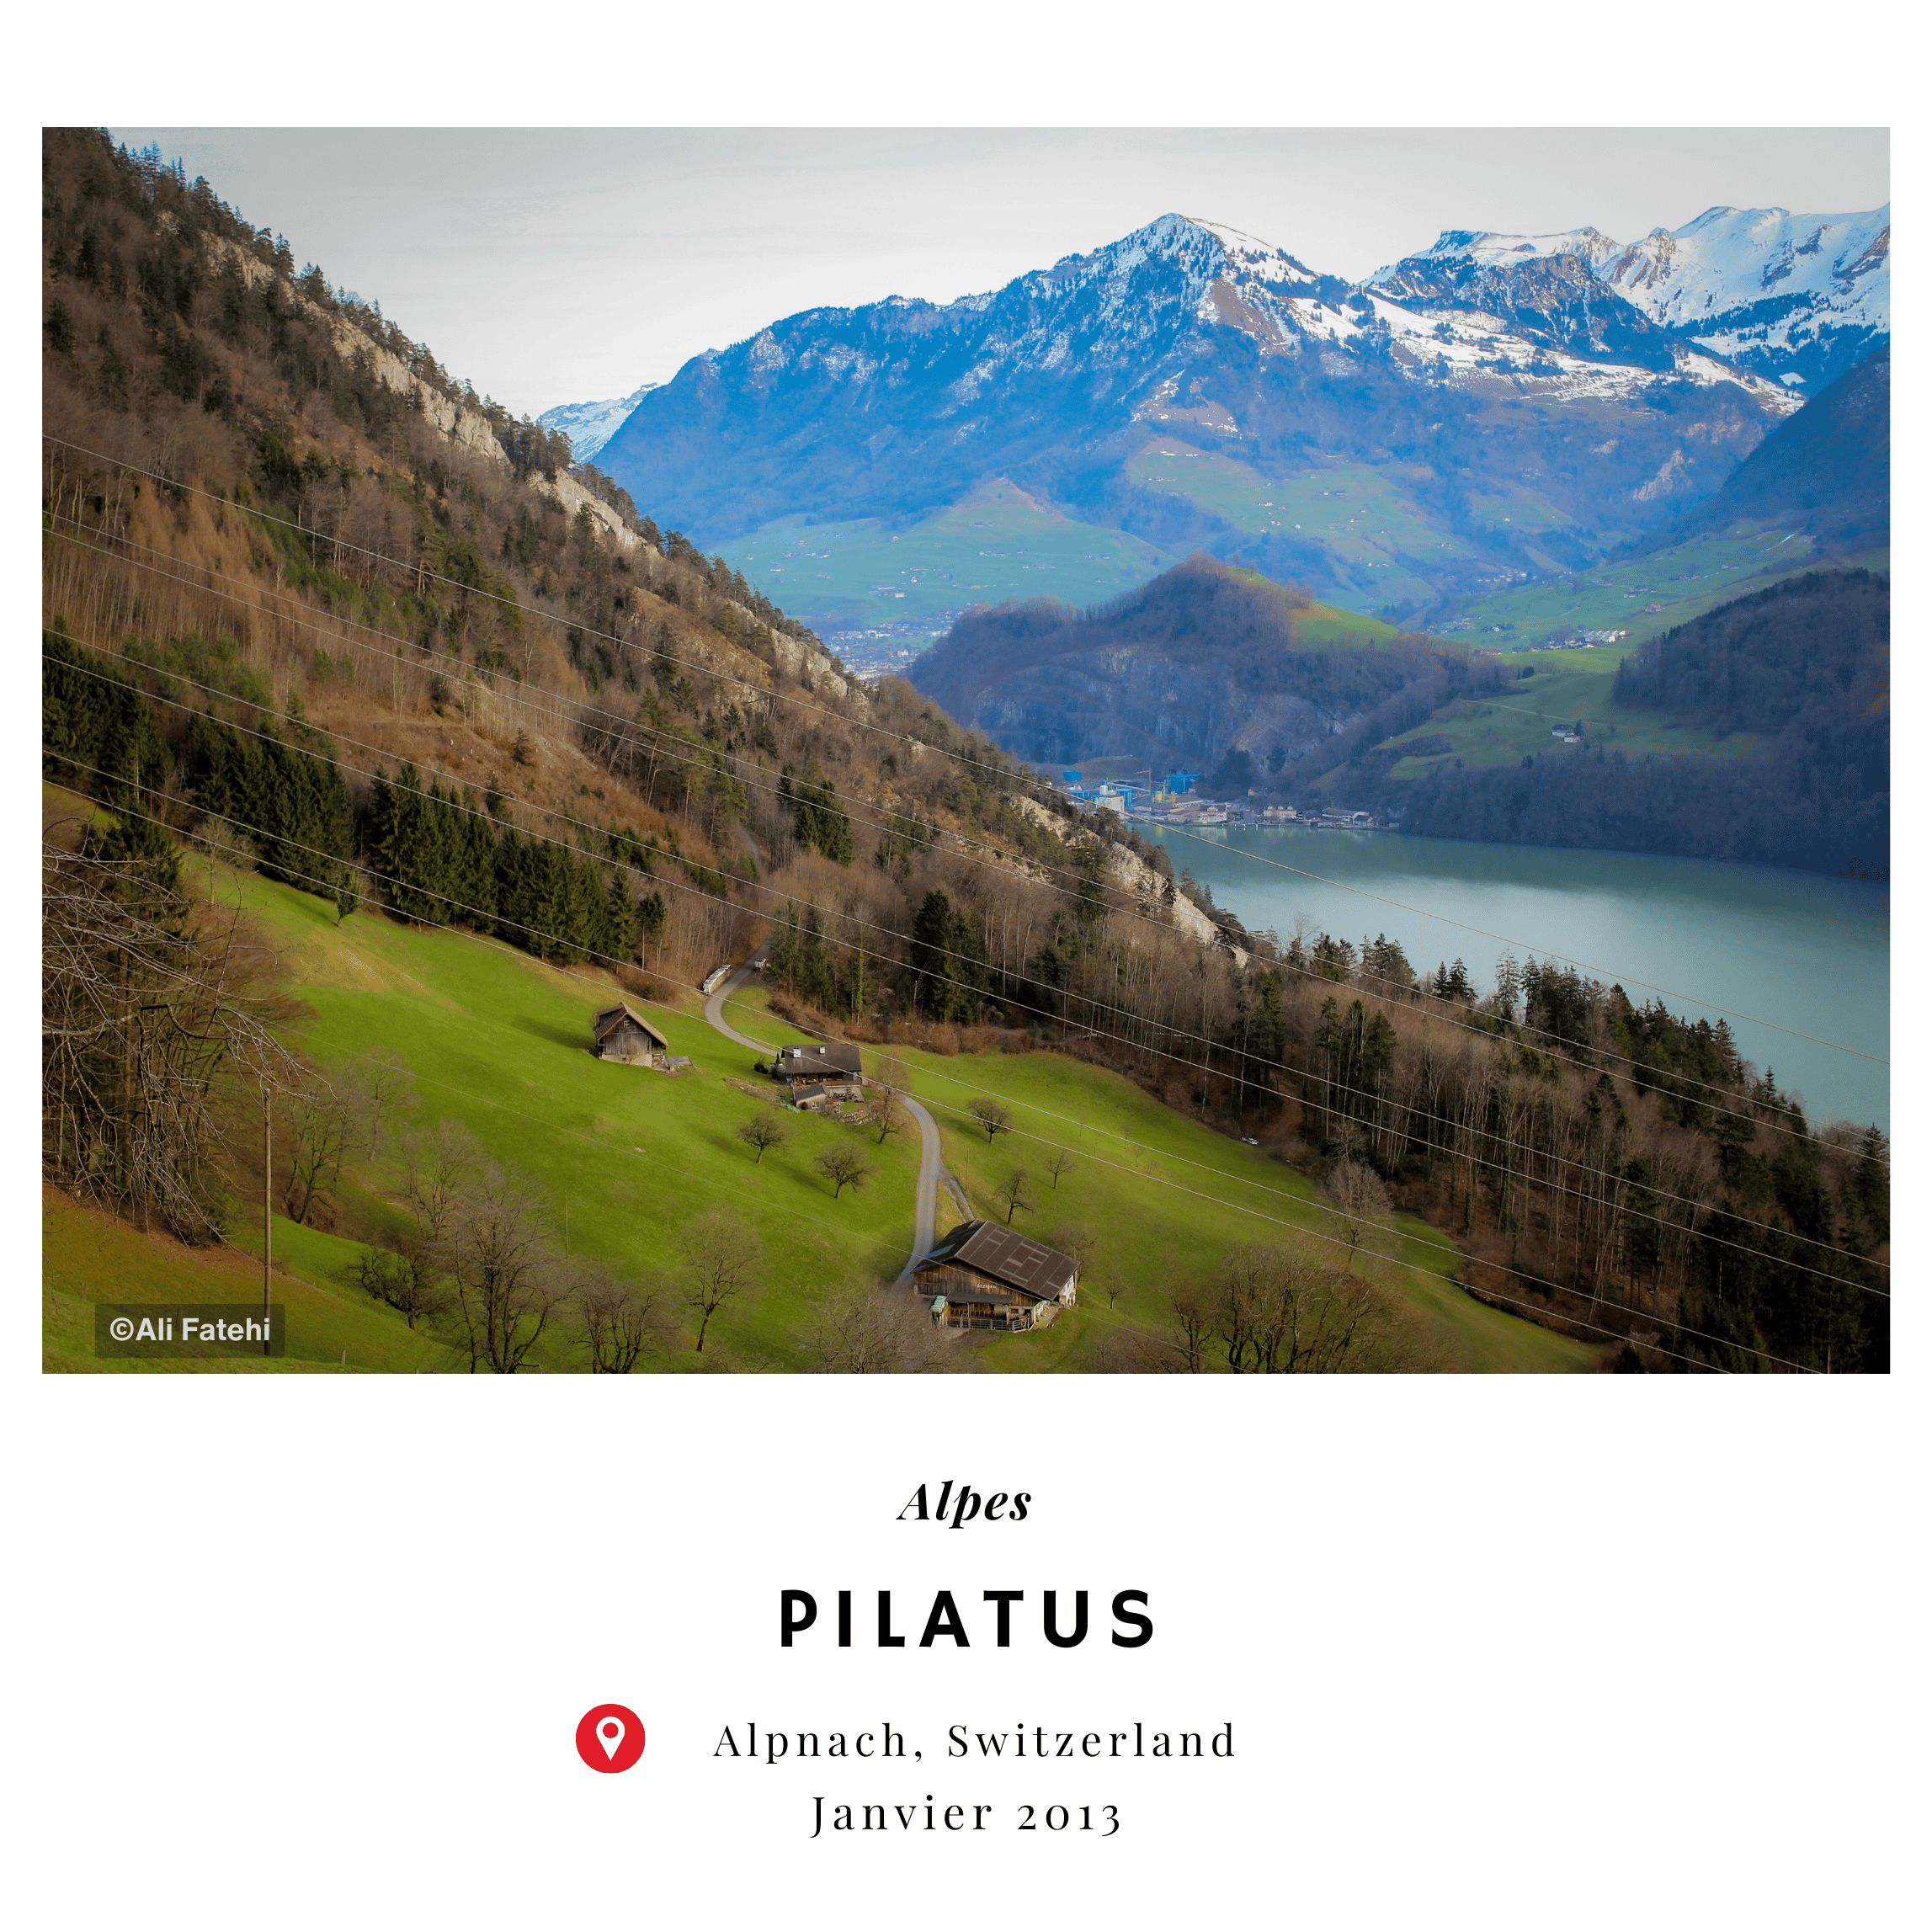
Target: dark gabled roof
<point x="1034" y="1270"/>
<point x="612" y="1016"/>
<point x="813" y="1058"/>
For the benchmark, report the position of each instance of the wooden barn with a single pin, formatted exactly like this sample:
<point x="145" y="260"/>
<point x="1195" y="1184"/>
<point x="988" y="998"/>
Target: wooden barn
<point x="819" y="1071"/>
<point x="985" y="1276"/>
<point x="624" y="1035"/>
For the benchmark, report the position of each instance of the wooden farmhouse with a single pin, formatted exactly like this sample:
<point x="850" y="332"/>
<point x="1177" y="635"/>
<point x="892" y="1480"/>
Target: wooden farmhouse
<point x="985" y="1276"/>
<point x="819" y="1072"/>
<point x="625" y="1036"/>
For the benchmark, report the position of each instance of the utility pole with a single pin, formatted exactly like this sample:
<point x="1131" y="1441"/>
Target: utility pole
<point x="268" y="1224"/>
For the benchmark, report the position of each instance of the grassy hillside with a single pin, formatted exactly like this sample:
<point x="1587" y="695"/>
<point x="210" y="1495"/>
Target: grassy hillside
<point x="500" y="1041"/>
<point x="1498" y="731"/>
<point x="1163" y="1197"/>
<point x="497" y="1040"/>
<point x="1369" y="534"/>
<point x="1645" y="596"/>
<point x="88" y="1256"/>
<point x="996" y="544"/>
<point x="1359" y="520"/>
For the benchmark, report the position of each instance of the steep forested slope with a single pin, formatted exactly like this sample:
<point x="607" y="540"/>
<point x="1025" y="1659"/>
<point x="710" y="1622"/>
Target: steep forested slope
<point x="1826" y="471"/>
<point x="1206" y="663"/>
<point x="1805" y="664"/>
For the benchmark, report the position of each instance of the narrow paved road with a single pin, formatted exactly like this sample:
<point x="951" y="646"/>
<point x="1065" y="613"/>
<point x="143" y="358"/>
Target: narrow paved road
<point x="932" y="1164"/>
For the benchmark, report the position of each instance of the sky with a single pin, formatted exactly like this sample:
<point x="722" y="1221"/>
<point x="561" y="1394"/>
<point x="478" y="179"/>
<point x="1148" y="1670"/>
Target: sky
<point x="563" y="265"/>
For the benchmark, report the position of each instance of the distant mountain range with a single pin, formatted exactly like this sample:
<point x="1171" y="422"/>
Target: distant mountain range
<point x="590" y="425"/>
<point x="1799" y="298"/>
<point x="1494" y="407"/>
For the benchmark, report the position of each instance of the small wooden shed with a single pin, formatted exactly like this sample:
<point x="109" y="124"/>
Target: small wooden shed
<point x="622" y="1034"/>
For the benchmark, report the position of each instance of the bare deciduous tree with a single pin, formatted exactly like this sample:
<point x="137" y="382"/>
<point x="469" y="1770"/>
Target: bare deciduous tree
<point x="437" y="1162"/>
<point x="321" y="1131"/>
<point x="992" y="1116"/>
<point x="1193" y="1305"/>
<point x="1016" y="1190"/>
<point x="1287" y="1310"/>
<point x="1059" y="1162"/>
<point x="765" y="1130"/>
<point x="1362" y="1216"/>
<point x="1134" y="1352"/>
<point x="621" y="1319"/>
<point x="385" y="1078"/>
<point x="723" y="1260"/>
<point x="888" y="1119"/>
<point x="844" y="1167"/>
<point x="405" y="1277"/>
<point x="874" y="1329"/>
<point x="155" y="1025"/>
<point x="508" y="1282"/>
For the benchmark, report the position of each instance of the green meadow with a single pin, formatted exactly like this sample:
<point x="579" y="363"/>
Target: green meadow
<point x="997" y="543"/>
<point x="1495" y="730"/>
<point x="498" y="1041"/>
<point x="1164" y="1197"/>
<point x="87" y="1257"/>
<point x="1373" y="530"/>
<point x="1684" y="582"/>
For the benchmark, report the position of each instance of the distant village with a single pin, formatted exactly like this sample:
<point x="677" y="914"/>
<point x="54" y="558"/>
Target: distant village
<point x="1175" y="801"/>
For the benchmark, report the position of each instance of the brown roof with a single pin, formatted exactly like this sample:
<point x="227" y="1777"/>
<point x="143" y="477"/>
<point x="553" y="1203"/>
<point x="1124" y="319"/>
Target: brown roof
<point x="1033" y="1269"/>
<point x="614" y="1016"/>
<point x="814" y="1059"/>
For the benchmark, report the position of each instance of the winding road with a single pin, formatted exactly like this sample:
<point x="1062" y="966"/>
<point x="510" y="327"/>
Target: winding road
<point x="932" y="1161"/>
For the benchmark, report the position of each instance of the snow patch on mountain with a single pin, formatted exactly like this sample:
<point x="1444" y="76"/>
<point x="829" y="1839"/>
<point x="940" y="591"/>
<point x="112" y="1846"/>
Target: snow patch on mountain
<point x="1732" y="258"/>
<point x="1760" y="286"/>
<point x="590" y="425"/>
<point x="1505" y="251"/>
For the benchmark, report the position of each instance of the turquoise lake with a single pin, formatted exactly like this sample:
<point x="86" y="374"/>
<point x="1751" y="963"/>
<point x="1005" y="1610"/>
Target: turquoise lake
<point x="1768" y="949"/>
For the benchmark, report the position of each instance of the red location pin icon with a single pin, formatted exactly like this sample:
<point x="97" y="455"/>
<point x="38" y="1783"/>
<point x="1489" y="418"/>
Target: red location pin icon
<point x="610" y="1738"/>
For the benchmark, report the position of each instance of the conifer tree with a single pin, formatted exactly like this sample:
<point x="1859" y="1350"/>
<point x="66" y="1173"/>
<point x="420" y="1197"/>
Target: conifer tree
<point x="781" y="952"/>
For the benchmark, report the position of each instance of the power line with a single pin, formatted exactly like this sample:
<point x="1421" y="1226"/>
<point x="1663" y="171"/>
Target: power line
<point x="311" y="1032"/>
<point x="1217" y="1200"/>
<point x="979" y="765"/>
<point x="1401" y="992"/>
<point x="1424" y="1140"/>
<point x="1404" y="1107"/>
<point x="1334" y="1241"/>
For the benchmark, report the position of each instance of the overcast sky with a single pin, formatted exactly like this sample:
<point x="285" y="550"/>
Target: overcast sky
<point x="557" y="267"/>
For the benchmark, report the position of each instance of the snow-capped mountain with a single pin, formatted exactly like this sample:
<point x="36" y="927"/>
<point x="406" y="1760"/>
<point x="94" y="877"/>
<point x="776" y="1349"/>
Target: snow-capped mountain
<point x="1185" y="326"/>
<point x="1496" y="407"/>
<point x="590" y="425"/>
<point x="1794" y="298"/>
